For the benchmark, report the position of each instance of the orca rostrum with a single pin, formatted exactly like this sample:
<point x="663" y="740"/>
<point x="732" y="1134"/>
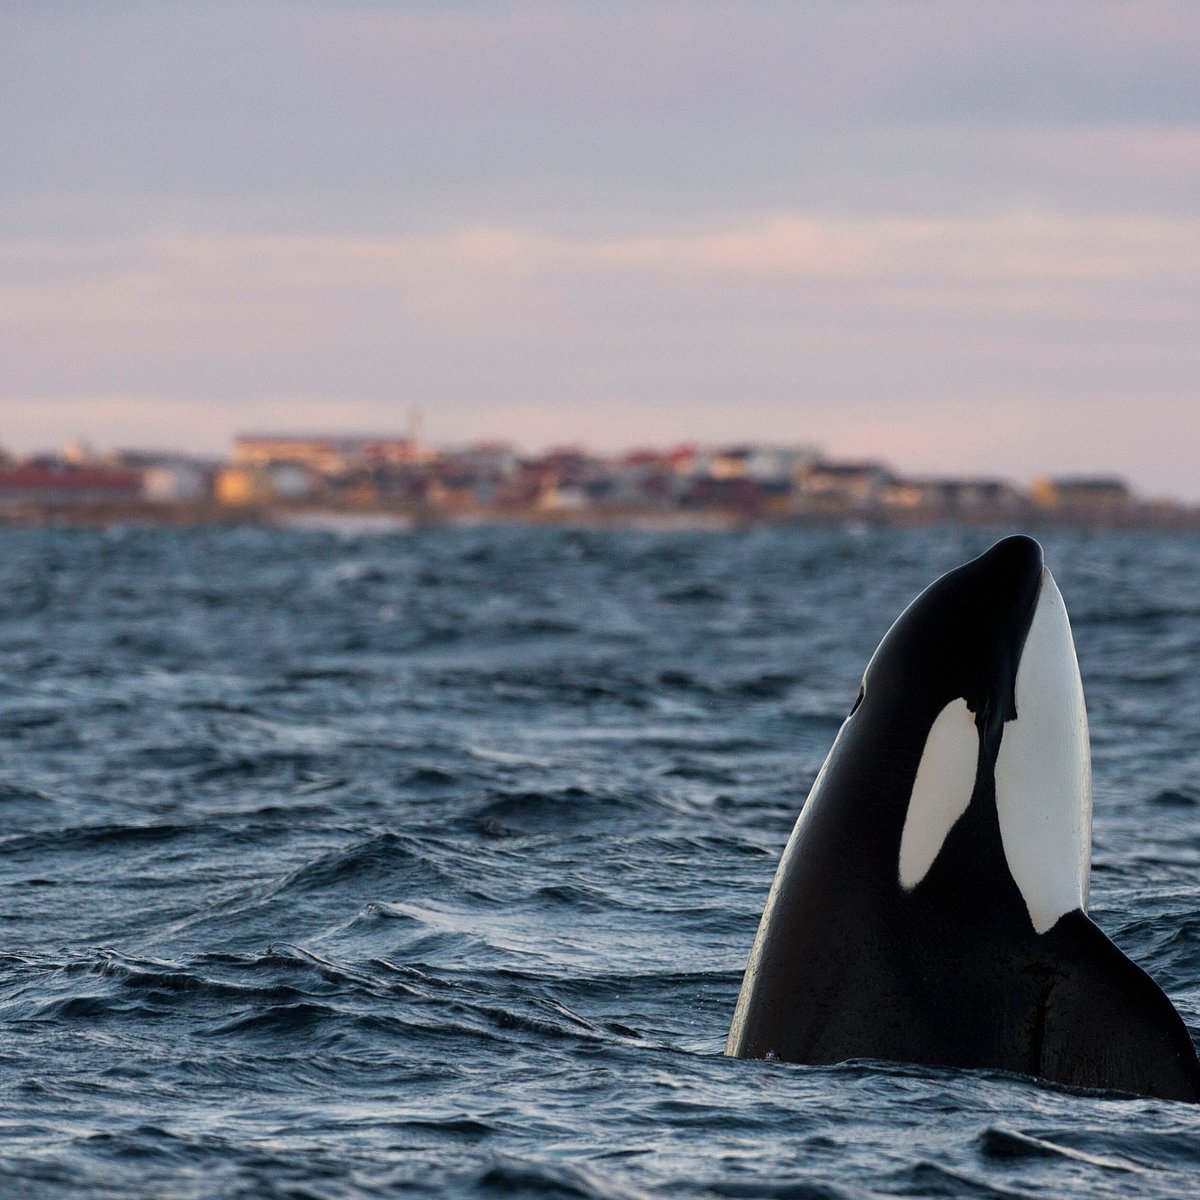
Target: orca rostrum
<point x="930" y="906"/>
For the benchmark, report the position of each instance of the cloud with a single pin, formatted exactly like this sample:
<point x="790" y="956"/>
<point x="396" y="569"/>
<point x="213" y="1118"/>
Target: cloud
<point x="170" y="274"/>
<point x="900" y="304"/>
<point x="811" y="218"/>
<point x="350" y="111"/>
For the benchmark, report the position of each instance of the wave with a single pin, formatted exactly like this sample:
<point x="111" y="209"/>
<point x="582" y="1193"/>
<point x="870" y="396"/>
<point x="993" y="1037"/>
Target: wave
<point x="91" y="837"/>
<point x="519" y="813"/>
<point x="512" y="1176"/>
<point x="1000" y="1143"/>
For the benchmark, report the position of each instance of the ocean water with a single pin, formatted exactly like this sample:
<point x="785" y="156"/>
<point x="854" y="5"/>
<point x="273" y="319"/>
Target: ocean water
<point x="427" y="863"/>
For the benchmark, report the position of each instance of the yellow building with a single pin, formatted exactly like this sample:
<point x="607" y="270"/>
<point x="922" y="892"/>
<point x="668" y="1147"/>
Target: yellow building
<point x="243" y="485"/>
<point x="325" y="454"/>
<point x="1102" y="494"/>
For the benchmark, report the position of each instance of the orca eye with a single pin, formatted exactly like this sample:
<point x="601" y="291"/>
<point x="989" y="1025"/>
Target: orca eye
<point x="862" y="691"/>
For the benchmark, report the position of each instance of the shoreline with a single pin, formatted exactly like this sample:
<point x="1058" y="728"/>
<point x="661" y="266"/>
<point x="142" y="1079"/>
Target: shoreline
<point x="325" y="515"/>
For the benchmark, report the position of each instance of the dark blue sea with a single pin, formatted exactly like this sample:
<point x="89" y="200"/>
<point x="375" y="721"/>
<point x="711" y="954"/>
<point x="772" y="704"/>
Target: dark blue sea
<point x="427" y="863"/>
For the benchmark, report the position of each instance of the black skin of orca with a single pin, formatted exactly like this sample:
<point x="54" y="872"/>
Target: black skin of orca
<point x="952" y="973"/>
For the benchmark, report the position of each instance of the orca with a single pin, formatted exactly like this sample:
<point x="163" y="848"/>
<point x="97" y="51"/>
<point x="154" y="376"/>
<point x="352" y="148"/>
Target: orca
<point x="930" y="905"/>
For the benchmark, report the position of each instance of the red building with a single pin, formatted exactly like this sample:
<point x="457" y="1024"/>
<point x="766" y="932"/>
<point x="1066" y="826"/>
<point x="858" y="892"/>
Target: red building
<point x="43" y="483"/>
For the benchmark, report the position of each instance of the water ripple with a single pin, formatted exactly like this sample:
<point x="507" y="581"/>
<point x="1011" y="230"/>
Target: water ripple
<point x="426" y="862"/>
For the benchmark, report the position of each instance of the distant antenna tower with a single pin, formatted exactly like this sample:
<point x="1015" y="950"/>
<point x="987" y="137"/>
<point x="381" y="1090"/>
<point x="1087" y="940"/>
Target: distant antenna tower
<point x="415" y="420"/>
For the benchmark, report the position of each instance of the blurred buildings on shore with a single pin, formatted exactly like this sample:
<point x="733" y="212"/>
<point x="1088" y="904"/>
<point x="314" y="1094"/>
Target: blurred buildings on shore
<point x="749" y="482"/>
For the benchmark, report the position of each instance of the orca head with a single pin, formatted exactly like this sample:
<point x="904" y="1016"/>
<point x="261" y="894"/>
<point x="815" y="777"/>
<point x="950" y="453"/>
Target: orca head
<point x="977" y="682"/>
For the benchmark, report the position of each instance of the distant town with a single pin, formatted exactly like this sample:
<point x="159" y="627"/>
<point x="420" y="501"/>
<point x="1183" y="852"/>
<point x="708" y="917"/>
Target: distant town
<point x="301" y="478"/>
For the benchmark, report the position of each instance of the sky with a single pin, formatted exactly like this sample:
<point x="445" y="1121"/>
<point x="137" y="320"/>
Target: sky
<point x="961" y="237"/>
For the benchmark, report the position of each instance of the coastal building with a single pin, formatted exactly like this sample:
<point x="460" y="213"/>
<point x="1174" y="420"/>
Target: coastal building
<point x="262" y="484"/>
<point x="471" y="476"/>
<point x="835" y="487"/>
<point x="737" y="494"/>
<point x="561" y="477"/>
<point x="488" y="460"/>
<point x="680" y="459"/>
<point x="947" y="498"/>
<point x="1082" y="494"/>
<point x="324" y="454"/>
<point x="176" y="482"/>
<point x="563" y="497"/>
<point x="762" y="462"/>
<point x="732" y="462"/>
<point x="50" y="481"/>
<point x="646" y="478"/>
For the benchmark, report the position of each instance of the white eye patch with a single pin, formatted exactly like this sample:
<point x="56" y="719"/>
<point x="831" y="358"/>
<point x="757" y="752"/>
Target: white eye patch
<point x="941" y="792"/>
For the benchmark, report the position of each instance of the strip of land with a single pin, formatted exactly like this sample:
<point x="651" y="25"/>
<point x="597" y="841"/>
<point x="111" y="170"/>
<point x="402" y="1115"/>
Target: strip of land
<point x="323" y="481"/>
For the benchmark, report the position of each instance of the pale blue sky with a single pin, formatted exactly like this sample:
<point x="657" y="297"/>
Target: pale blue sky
<point x="961" y="236"/>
